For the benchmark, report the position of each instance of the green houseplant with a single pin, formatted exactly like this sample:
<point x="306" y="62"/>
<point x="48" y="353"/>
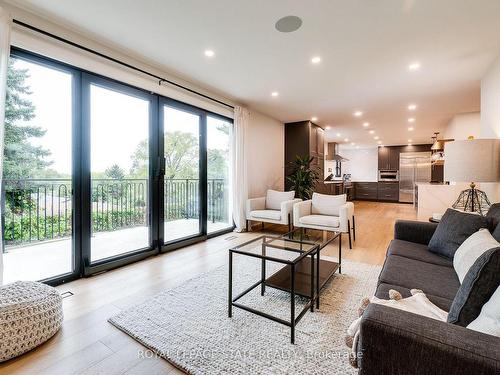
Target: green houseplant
<point x="303" y="177"/>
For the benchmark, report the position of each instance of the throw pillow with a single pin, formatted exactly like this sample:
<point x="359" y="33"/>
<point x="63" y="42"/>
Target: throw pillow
<point x="275" y="198"/>
<point x="477" y="288"/>
<point x="488" y="320"/>
<point x="324" y="204"/>
<point x="471" y="249"/>
<point x="494" y="215"/>
<point x="453" y="229"/>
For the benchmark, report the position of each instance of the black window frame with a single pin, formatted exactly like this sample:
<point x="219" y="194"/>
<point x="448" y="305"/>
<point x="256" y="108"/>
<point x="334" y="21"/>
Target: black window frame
<point x="81" y="169"/>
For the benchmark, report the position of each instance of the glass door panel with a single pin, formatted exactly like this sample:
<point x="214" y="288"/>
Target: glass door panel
<point x="37" y="172"/>
<point x="218" y="174"/>
<point x="182" y="174"/>
<point x="119" y="158"/>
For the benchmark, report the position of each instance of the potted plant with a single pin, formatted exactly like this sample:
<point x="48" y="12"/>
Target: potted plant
<point x="303" y="178"/>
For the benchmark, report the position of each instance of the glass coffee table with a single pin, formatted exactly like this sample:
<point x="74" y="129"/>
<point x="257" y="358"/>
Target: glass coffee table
<point x="303" y="272"/>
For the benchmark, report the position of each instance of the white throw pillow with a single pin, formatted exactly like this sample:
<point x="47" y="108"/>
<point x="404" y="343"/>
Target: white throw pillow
<point x="471" y="249"/>
<point x="323" y="204"/>
<point x="488" y="320"/>
<point x="275" y="198"/>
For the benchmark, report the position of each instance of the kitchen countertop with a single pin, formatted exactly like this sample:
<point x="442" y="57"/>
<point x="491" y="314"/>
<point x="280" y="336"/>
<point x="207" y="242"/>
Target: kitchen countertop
<point x="334" y="182"/>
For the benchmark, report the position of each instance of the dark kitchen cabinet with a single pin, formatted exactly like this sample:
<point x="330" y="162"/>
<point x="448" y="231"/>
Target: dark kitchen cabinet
<point x="388" y="191"/>
<point x="305" y="138"/>
<point x="366" y="190"/>
<point x="388" y="158"/>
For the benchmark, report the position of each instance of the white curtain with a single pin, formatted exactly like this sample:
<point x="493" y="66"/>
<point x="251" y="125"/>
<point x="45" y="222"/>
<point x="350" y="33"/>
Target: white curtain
<point x="239" y="169"/>
<point x="5" y="24"/>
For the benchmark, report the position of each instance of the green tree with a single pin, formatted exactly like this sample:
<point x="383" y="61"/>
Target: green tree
<point x="115" y="172"/>
<point x="22" y="159"/>
<point x="217" y="163"/>
<point x="181" y="156"/>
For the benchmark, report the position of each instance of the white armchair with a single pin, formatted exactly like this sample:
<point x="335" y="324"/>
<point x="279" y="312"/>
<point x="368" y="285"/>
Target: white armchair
<point x="326" y="212"/>
<point x="276" y="208"/>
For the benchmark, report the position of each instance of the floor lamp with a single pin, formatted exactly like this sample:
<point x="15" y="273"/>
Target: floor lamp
<point x="473" y="160"/>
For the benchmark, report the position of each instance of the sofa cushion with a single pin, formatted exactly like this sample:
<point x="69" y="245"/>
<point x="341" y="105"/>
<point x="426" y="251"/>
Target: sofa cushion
<point x="320" y="220"/>
<point x="440" y="281"/>
<point x="471" y="249"/>
<point x="324" y="204"/>
<point x="416" y="251"/>
<point x="275" y="198"/>
<point x="494" y="216"/>
<point x="266" y="214"/>
<point x="453" y="229"/>
<point x="477" y="288"/>
<point x="383" y="292"/>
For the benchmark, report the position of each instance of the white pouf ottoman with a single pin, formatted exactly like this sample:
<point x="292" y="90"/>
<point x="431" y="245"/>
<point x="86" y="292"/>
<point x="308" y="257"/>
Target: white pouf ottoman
<point x="30" y="314"/>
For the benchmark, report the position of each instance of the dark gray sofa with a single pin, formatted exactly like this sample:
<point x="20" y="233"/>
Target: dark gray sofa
<point x="398" y="342"/>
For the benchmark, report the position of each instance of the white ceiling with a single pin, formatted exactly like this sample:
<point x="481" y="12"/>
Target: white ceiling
<point x="365" y="47"/>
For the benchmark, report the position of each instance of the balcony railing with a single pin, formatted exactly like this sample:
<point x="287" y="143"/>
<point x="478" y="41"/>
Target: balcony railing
<point x="41" y="209"/>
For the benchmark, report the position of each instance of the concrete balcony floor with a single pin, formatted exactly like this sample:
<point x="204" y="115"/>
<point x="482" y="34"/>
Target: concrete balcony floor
<point x="51" y="258"/>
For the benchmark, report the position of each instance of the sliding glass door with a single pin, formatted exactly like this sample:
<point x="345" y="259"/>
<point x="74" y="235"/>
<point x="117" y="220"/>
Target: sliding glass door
<point x="182" y="199"/>
<point x="119" y="120"/>
<point x="37" y="195"/>
<point x="219" y="186"/>
<point x="98" y="174"/>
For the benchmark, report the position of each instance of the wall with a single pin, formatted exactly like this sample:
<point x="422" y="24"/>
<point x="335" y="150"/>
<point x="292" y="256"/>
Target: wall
<point x="490" y="117"/>
<point x="265" y="154"/>
<point x="362" y="164"/>
<point x="490" y="102"/>
<point x="462" y="126"/>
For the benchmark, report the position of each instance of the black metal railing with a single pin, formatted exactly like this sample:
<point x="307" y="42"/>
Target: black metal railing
<point x="41" y="209"/>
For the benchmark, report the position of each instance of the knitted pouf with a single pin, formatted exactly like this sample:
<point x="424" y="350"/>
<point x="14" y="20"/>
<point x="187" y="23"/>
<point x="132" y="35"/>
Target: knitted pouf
<point x="30" y="314"/>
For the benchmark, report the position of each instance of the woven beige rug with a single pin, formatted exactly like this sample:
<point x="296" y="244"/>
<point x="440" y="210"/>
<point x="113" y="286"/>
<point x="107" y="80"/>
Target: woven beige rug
<point x="189" y="326"/>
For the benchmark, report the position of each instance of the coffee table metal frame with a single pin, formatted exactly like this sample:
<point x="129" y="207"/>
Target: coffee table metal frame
<point x="267" y="241"/>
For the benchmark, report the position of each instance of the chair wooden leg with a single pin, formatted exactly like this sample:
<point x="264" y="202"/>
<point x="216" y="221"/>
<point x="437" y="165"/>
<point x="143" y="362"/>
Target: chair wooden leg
<point x="349" y="232"/>
<point x="353" y="229"/>
<point x="247" y="226"/>
<point x="289" y="223"/>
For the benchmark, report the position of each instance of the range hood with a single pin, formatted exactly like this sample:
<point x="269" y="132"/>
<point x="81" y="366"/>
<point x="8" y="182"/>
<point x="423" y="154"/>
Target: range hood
<point x="333" y="153"/>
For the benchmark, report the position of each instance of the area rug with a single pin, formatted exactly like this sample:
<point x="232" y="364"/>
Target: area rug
<point x="189" y="325"/>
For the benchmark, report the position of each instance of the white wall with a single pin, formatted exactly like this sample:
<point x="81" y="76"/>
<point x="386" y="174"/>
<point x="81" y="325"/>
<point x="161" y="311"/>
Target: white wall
<point x="462" y="126"/>
<point x="362" y="164"/>
<point x="490" y="117"/>
<point x="490" y="102"/>
<point x="265" y="154"/>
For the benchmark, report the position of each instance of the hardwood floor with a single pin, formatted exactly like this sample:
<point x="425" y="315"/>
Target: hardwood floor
<point x="88" y="344"/>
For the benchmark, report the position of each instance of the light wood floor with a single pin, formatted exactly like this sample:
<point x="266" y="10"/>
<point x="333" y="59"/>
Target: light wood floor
<point x="88" y="344"/>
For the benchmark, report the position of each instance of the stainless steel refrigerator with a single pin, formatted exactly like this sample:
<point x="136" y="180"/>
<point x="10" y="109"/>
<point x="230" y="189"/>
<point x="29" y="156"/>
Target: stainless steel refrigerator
<point x="414" y="167"/>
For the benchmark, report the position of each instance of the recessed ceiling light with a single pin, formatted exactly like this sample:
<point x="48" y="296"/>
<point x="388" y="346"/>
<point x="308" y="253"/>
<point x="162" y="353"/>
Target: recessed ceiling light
<point x="411" y="128"/>
<point x="409" y="144"/>
<point x="411" y="119"/>
<point x="371" y="131"/>
<point x="288" y="24"/>
<point x="314" y="118"/>
<point x="328" y="128"/>
<point x="414" y="66"/>
<point x="376" y="137"/>
<point x="338" y="134"/>
<point x="346" y="139"/>
<point x="412" y="107"/>
<point x="316" y="60"/>
<point x="358" y="113"/>
<point x="409" y="140"/>
<point x="352" y="143"/>
<point x="366" y="124"/>
<point x="209" y="53"/>
<point x="379" y="142"/>
<point x="275" y="93"/>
